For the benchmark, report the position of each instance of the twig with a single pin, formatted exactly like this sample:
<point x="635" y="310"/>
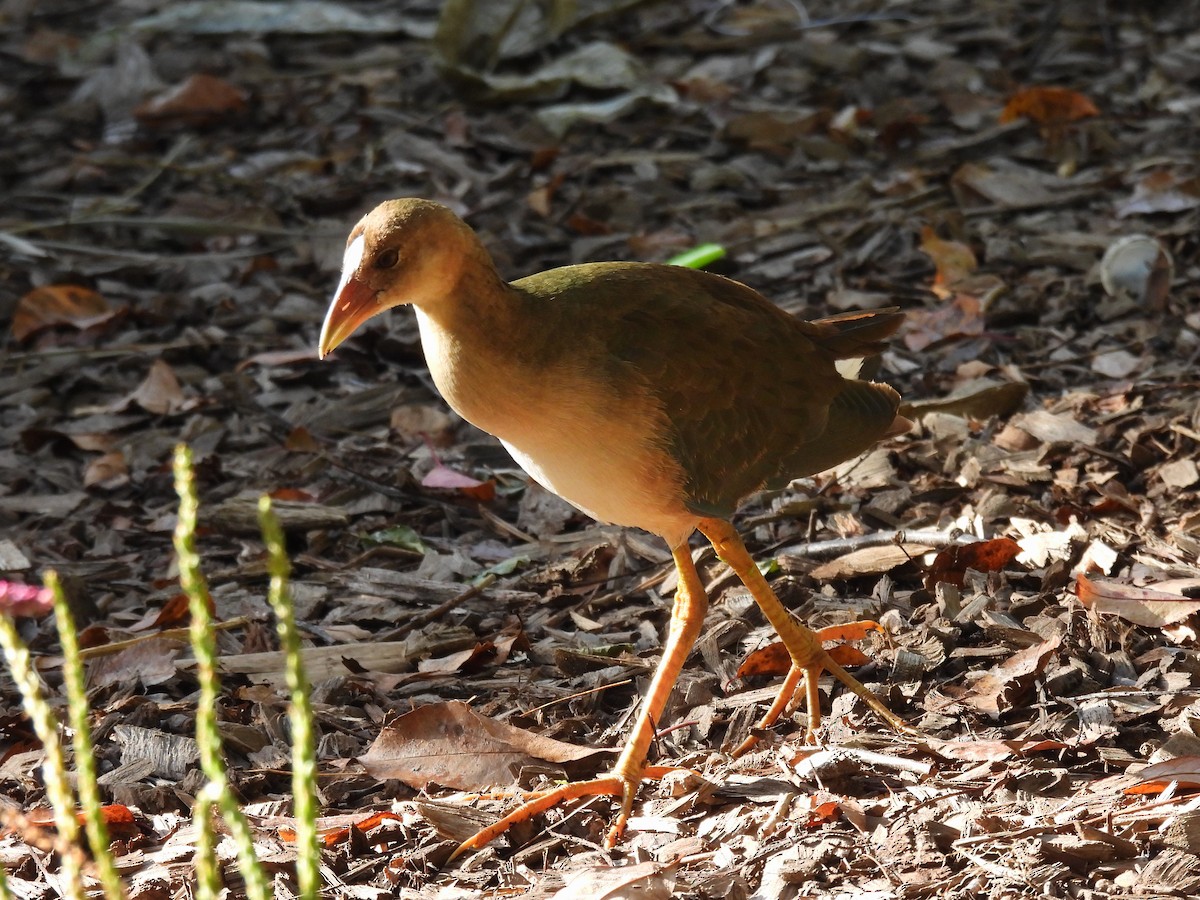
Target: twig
<point x="824" y="549"/>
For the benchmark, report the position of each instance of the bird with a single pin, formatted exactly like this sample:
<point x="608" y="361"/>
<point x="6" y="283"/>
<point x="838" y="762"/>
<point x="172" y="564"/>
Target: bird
<point x="646" y="395"/>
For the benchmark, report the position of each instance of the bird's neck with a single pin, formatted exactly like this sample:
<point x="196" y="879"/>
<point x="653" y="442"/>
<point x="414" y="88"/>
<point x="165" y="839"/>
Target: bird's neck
<point x="472" y="340"/>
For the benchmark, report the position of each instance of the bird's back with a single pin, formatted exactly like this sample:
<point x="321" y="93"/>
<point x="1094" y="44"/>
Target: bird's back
<point x="749" y="396"/>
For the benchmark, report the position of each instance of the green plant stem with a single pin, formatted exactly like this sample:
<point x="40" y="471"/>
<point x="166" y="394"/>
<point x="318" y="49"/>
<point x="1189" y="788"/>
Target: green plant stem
<point x="304" y="750"/>
<point x="58" y="789"/>
<point x="208" y="878"/>
<point x="204" y="645"/>
<point x="85" y="758"/>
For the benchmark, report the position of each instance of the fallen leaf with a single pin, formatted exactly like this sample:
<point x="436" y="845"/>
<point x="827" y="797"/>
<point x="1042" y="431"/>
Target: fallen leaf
<point x="1152" y="607"/>
<point x="300" y="440"/>
<point x="452" y="745"/>
<point x="272" y="358"/>
<point x="961" y="317"/>
<point x="107" y="471"/>
<point x="59" y="304"/>
<point x="119" y="820"/>
<point x="992" y="751"/>
<point x="336" y="835"/>
<point x="201" y="99"/>
<point x="1179" y="473"/>
<point x="1161" y="192"/>
<point x="160" y="392"/>
<point x="868" y="561"/>
<point x="953" y="261"/>
<point x="471" y="660"/>
<point x="983" y="403"/>
<point x="1002" y="687"/>
<point x="446" y="478"/>
<point x="1116" y="364"/>
<point x="1048" y="106"/>
<point x="950" y="565"/>
<point x="774" y="659"/>
<point x="1154" y="779"/>
<point x="1056" y="428"/>
<point x="644" y="881"/>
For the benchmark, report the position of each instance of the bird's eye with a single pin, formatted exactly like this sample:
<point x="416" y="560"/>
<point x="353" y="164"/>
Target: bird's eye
<point x="387" y="258"/>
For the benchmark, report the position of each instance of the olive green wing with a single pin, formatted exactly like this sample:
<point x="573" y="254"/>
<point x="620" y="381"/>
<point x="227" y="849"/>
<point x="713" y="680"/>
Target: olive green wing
<point x="748" y="395"/>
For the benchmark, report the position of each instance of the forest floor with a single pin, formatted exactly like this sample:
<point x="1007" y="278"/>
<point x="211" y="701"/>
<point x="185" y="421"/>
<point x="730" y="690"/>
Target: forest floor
<point x="178" y="181"/>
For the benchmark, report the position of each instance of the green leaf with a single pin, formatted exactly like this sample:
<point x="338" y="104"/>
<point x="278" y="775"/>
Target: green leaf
<point x="504" y="567"/>
<point x="768" y="566"/>
<point x="698" y="257"/>
<point x="397" y="536"/>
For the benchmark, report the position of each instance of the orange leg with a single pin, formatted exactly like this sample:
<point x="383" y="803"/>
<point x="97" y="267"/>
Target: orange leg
<point x="687" y="618"/>
<point x="809" y="658"/>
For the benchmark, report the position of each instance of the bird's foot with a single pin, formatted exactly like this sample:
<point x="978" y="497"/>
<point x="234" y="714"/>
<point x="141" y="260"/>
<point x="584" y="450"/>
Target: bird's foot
<point x="813" y="660"/>
<point x="615" y="785"/>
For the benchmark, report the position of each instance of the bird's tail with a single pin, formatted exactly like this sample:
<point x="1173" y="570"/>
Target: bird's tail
<point x="858" y="335"/>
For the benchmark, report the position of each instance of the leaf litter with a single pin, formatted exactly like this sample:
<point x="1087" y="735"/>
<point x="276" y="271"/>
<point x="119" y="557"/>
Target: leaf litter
<point x="178" y="188"/>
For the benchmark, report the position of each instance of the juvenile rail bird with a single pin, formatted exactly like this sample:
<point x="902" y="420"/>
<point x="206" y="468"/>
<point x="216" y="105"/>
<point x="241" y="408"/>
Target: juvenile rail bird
<point x="647" y="395"/>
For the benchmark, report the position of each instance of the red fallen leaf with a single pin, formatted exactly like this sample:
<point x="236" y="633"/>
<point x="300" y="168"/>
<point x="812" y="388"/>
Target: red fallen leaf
<point x="200" y="100"/>
<point x="337" y="835"/>
<point x="174" y="613"/>
<point x="1154" y="779"/>
<point x="93" y="636"/>
<point x="951" y="564"/>
<point x="774" y="659"/>
<point x="820" y="813"/>
<point x="59" y="304"/>
<point x="119" y="819"/>
<point x="452" y="745"/>
<point x="1152" y="607"/>
<point x="1048" y="106"/>
<point x="294" y="495"/>
<point x="444" y="477"/>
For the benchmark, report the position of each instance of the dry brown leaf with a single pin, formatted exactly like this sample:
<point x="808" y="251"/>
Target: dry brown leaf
<point x="1161" y="192"/>
<point x="1164" y="604"/>
<point x="199" y="100"/>
<point x="463" y="661"/>
<point x="107" y="471"/>
<point x="961" y="317"/>
<point x="868" y="561"/>
<point x="160" y="393"/>
<point x="452" y="745"/>
<point x="59" y="304"/>
<point x="643" y="881"/>
<point x="992" y="751"/>
<point x="1002" y="687"/>
<point x="984" y="403"/>
<point x="1052" y="428"/>
<point x="954" y="261"/>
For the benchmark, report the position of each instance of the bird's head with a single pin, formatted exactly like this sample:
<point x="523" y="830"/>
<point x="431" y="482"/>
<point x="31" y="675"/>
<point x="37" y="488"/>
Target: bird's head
<point x="403" y="251"/>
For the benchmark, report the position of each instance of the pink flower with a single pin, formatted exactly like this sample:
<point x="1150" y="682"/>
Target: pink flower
<point x="24" y="599"/>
